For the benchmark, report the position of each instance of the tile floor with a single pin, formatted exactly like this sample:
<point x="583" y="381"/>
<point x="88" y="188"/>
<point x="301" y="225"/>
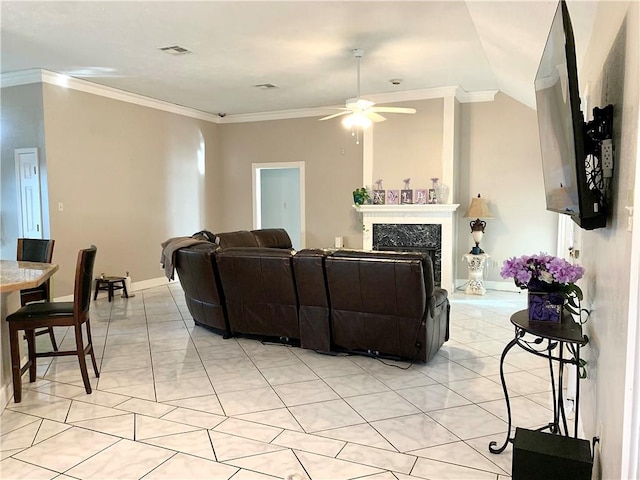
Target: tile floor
<point x="176" y="401"/>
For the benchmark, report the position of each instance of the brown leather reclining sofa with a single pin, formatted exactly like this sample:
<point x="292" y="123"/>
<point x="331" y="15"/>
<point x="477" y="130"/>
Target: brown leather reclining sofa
<point x="375" y="303"/>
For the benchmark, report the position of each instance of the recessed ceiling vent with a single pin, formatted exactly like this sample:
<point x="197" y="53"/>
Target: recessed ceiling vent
<point x="265" y="86"/>
<point x="174" y="50"/>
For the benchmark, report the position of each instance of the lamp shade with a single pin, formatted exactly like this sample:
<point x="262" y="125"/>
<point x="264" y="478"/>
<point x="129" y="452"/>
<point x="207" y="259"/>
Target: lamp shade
<point x="478" y="209"/>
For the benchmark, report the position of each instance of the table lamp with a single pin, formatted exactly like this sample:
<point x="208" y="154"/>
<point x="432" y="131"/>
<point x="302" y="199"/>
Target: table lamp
<point x="478" y="208"/>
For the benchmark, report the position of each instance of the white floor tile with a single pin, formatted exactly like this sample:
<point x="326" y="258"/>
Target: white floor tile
<point x="318" y="466"/>
<point x="325" y="415"/>
<point x="206" y="403"/>
<point x="48" y="429"/>
<point x="146" y="407"/>
<point x="413" y="432"/>
<point x="246" y="429"/>
<point x="432" y="397"/>
<point x="358" y="384"/>
<point x="280" y="417"/>
<point x="309" y="443"/>
<point x="21" y="437"/>
<point x="363" y="434"/>
<point x="305" y="392"/>
<point x="149" y="427"/>
<point x="277" y="464"/>
<point x="229" y="447"/>
<point x="125" y="459"/>
<point x="378" y="406"/>
<point x="469" y="421"/>
<point x="375" y="457"/>
<point x="249" y="401"/>
<point x="461" y="454"/>
<point x="66" y="449"/>
<point x="194" y="468"/>
<point x="427" y="468"/>
<point x="194" y="418"/>
<point x="12" y="468"/>
<point x="196" y="443"/>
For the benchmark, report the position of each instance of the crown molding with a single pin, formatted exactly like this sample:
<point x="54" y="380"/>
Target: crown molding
<point x="22" y="77"/>
<point x="53" y="78"/>
<point x="278" y="115"/>
<point x="26" y="77"/>
<point x="405" y="96"/>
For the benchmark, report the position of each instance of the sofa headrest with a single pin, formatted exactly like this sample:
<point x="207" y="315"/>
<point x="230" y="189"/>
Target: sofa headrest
<point x="272" y="238"/>
<point x="380" y="254"/>
<point x="242" y="238"/>
<point x="314" y="252"/>
<point x="255" y="252"/>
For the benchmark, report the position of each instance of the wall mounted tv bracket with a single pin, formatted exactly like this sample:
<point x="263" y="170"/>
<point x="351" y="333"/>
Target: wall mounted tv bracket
<point x="598" y="154"/>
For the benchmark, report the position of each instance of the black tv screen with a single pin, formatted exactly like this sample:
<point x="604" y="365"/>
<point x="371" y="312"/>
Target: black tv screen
<point x="561" y="128"/>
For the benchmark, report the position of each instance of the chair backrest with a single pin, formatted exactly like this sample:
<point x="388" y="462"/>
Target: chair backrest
<point x="84" y="279"/>
<point x="35" y="250"/>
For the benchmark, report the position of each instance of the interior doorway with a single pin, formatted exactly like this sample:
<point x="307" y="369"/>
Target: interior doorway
<point x="29" y="196"/>
<point x="278" y="198"/>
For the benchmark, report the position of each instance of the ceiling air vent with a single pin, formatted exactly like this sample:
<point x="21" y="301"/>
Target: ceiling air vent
<point x="265" y="86"/>
<point x="174" y="50"/>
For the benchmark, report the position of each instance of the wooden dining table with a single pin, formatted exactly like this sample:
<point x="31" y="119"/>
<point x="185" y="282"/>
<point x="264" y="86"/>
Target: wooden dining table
<point x="15" y="276"/>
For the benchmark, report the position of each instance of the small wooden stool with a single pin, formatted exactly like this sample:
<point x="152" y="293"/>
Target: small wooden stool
<point x="110" y="284"/>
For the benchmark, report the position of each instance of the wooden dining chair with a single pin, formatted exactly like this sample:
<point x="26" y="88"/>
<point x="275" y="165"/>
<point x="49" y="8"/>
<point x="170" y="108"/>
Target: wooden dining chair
<point x="55" y="314"/>
<point x="37" y="250"/>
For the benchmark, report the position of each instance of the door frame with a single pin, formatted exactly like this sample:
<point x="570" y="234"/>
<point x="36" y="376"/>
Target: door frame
<point x="255" y="179"/>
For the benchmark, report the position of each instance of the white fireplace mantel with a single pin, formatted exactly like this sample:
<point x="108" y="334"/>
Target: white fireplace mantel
<point x="432" y="214"/>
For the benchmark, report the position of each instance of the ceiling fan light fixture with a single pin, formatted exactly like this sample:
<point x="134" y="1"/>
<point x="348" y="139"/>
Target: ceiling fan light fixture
<point x="359" y="104"/>
<point x="356" y="120"/>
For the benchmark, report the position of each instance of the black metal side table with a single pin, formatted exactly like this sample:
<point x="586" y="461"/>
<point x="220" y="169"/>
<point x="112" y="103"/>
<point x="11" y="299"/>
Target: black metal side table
<point x="549" y="341"/>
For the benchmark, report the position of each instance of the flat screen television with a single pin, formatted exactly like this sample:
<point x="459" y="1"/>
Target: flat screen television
<point x="571" y="167"/>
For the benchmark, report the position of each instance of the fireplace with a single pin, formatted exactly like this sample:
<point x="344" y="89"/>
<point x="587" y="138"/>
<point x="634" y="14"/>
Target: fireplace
<point x="413" y="227"/>
<point x="403" y="237"/>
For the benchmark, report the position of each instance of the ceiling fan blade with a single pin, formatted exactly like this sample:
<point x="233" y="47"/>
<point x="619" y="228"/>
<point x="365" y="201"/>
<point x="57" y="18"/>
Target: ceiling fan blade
<point x="335" y="115"/>
<point x="393" y="109"/>
<point x="375" y="117"/>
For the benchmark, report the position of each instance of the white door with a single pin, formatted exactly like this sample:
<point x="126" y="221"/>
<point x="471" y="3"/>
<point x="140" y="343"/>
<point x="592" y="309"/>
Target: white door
<point x="28" y="178"/>
<point x="279" y="198"/>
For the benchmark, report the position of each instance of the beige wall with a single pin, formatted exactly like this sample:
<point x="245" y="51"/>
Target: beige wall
<point x="128" y="178"/>
<point x="611" y="66"/>
<point x="409" y="146"/>
<point x="22" y="126"/>
<point x="500" y="159"/>
<point x="333" y="169"/>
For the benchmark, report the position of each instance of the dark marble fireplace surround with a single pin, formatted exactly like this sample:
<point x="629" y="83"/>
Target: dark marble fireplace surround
<point x="411" y="238"/>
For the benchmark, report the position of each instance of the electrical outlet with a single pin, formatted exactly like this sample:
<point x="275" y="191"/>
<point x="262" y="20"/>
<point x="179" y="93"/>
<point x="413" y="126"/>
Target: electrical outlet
<point x="607" y="156"/>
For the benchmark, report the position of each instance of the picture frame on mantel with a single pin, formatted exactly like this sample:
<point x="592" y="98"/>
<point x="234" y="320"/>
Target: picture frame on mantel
<point x="421" y="196"/>
<point x="406" y="197"/>
<point x="393" y="197"/>
<point x="379" y="197"/>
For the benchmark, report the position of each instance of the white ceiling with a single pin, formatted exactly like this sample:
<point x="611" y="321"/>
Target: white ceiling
<point x="302" y="47"/>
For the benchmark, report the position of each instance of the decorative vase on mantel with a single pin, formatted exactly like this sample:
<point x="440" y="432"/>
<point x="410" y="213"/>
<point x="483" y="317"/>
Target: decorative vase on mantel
<point x="545" y="306"/>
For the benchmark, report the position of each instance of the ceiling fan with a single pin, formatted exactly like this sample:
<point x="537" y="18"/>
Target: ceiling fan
<point x="360" y="112"/>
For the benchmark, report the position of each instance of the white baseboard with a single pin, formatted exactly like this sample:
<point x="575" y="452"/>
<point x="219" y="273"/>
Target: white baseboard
<point x="135" y="286"/>
<point x="6" y="392"/>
